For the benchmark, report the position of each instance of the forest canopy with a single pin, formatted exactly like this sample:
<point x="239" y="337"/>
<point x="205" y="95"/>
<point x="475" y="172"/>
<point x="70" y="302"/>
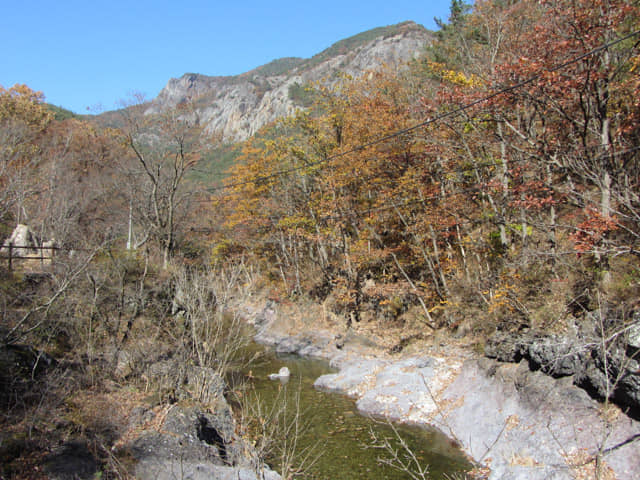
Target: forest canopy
<point x="498" y="172"/>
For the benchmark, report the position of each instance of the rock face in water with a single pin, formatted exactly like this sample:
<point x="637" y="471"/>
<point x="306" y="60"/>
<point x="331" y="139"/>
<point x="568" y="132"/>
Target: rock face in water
<point x="528" y="424"/>
<point x="283" y="374"/>
<point x="193" y="444"/>
<point x="237" y="107"/>
<point x="533" y="426"/>
<point x="523" y="424"/>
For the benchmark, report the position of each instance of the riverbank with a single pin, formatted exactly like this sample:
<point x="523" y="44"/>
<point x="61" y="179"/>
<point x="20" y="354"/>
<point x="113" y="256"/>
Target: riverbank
<point x="513" y="423"/>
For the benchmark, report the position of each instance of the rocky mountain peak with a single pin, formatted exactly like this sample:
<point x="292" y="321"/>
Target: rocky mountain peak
<point x="237" y="106"/>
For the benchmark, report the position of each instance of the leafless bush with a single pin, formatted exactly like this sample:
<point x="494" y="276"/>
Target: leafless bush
<point x="275" y="430"/>
<point x="215" y="337"/>
<point x="398" y="454"/>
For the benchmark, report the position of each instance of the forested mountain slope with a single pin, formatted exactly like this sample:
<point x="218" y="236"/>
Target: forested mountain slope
<point x="493" y="187"/>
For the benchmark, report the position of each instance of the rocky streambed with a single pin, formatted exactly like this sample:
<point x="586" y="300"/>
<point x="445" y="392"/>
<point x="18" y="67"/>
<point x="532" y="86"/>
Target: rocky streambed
<point x="333" y="440"/>
<point x="513" y="423"/>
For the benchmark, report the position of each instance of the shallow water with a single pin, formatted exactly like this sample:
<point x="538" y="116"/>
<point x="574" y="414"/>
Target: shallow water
<point x="340" y="433"/>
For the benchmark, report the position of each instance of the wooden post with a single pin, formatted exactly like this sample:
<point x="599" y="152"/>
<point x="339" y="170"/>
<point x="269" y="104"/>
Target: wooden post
<point x="10" y="255"/>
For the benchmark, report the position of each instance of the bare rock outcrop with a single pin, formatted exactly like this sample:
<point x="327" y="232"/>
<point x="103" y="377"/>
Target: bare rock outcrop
<point x="613" y="374"/>
<point x="187" y="439"/>
<point x="239" y="106"/>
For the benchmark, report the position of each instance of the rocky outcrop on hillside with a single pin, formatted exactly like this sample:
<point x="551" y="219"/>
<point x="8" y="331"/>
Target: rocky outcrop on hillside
<point x="236" y="107"/>
<point x="613" y="374"/>
<point x="189" y="443"/>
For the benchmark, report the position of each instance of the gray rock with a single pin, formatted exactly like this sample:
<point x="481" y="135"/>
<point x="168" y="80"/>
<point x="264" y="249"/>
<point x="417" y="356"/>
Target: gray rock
<point x="402" y="391"/>
<point x="237" y="107"/>
<point x="266" y="315"/>
<point x="312" y="350"/>
<point x="352" y="378"/>
<point x="181" y="438"/>
<point x="627" y="391"/>
<point x="525" y="424"/>
<point x="561" y="356"/>
<point x="189" y="470"/>
<point x="205" y="384"/>
<point x="186" y="382"/>
<point x="282" y="374"/>
<point x="124" y="364"/>
<point x="195" y="445"/>
<point x="292" y="344"/>
<point x="524" y="421"/>
<point x="557" y="356"/>
<point x="23" y="238"/>
<point x="305" y="345"/>
<point x="633" y="336"/>
<point x="507" y="347"/>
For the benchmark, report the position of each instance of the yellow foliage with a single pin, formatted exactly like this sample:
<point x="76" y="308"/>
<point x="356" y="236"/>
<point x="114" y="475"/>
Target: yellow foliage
<point x="452" y="76"/>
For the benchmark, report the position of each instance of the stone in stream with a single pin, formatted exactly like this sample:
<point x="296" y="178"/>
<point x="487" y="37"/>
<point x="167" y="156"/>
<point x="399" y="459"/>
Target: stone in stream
<point x="283" y="374"/>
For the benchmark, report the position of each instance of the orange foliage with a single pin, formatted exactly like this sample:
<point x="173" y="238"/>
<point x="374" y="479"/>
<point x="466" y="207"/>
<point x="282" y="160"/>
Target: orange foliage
<point x="387" y="178"/>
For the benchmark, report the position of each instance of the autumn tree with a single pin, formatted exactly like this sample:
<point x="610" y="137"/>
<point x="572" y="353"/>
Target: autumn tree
<point x="23" y="119"/>
<point x="471" y="176"/>
<point x="324" y="198"/>
<point x="567" y="127"/>
<point x="77" y="204"/>
<point x="578" y="124"/>
<point x="535" y="145"/>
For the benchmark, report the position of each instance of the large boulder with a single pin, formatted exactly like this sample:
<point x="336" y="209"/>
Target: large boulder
<point x="533" y="426"/>
<point x="507" y="346"/>
<point x="193" y="438"/>
<point x="25" y="244"/>
<point x="555" y="355"/>
<point x="187" y="442"/>
<point x="177" y="381"/>
<point x="23" y="240"/>
<point x="633" y="338"/>
<point x="628" y="388"/>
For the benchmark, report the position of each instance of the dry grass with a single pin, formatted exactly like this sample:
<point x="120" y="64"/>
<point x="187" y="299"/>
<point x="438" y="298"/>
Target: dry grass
<point x="583" y="467"/>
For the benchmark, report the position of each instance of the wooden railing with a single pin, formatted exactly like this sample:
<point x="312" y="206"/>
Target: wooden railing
<point x="11" y="252"/>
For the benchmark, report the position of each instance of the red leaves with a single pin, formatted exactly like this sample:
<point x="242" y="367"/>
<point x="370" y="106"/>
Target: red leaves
<point x="592" y="230"/>
<point x="531" y="202"/>
<point x="533" y="195"/>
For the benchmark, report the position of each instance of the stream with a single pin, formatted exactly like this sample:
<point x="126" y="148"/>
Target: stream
<point x="335" y="430"/>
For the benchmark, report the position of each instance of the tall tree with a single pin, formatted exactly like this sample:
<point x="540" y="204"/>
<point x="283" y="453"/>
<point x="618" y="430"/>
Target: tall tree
<point x="164" y="148"/>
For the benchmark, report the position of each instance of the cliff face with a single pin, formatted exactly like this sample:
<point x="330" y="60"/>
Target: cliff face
<point x="238" y="106"/>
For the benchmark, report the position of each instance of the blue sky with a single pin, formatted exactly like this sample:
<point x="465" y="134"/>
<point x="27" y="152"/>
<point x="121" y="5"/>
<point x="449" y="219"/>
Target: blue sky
<point x="84" y="54"/>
